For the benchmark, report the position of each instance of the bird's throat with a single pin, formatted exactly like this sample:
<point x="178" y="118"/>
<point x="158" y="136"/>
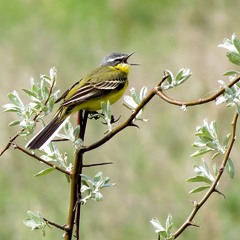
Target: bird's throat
<point x="124" y="67"/>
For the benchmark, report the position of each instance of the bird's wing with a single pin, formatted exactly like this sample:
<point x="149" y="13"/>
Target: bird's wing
<point x="66" y="92"/>
<point x="91" y="87"/>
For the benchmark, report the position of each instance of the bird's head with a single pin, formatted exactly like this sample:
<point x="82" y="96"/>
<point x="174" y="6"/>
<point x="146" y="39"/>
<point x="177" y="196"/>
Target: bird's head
<point x="117" y="58"/>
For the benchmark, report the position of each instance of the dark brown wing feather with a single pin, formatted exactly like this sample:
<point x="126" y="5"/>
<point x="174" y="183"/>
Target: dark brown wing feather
<point x="66" y="92"/>
<point x="93" y="90"/>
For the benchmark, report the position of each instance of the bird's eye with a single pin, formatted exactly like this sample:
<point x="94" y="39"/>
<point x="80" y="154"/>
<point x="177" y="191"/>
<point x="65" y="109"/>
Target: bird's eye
<point x="118" y="61"/>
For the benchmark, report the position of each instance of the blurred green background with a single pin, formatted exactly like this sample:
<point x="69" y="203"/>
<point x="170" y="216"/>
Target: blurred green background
<point x="151" y="164"/>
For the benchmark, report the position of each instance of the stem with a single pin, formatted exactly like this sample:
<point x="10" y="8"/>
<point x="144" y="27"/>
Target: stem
<point x="82" y="120"/>
<point x="11" y="140"/>
<point x="194" y="102"/>
<point x="127" y="123"/>
<point x="40" y="159"/>
<point x="75" y="193"/>
<point x="54" y="224"/>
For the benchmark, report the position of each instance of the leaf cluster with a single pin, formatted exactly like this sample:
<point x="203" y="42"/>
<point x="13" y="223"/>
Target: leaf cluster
<point x="35" y="221"/>
<point x="208" y="141"/>
<point x="132" y="102"/>
<point x="173" y="81"/>
<point x="164" y="232"/>
<point x="91" y="187"/>
<point x="42" y="101"/>
<point x="233" y="49"/>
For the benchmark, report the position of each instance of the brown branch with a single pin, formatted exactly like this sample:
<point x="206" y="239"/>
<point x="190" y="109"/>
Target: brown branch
<point x="55" y="224"/>
<point x="96" y="164"/>
<point x="11" y="140"/>
<point x="155" y="91"/>
<point x="75" y="193"/>
<point x="212" y="189"/>
<point x="167" y="99"/>
<point x="40" y="159"/>
<point x="127" y="123"/>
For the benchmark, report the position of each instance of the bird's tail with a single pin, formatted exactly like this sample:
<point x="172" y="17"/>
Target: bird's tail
<point x="46" y="135"/>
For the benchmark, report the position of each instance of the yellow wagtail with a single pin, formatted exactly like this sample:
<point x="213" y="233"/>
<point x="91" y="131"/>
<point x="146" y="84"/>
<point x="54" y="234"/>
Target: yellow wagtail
<point x="106" y="83"/>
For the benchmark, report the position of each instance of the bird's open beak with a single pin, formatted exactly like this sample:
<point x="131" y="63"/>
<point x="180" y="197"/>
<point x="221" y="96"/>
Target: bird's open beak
<point x="128" y="56"/>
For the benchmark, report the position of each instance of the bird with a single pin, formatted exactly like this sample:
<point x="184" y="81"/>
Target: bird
<point x="108" y="82"/>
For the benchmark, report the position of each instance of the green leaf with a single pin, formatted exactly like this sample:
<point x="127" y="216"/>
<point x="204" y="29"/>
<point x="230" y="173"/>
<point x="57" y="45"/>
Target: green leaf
<point x="143" y="92"/>
<point x="9" y="107"/>
<point x="199" y="143"/>
<point x="78" y="143"/>
<point x="13" y="123"/>
<point x="98" y="197"/>
<point x="213" y="128"/>
<point x="234" y="57"/>
<point x="206" y="168"/>
<point x="169" y="224"/>
<point x="97" y="177"/>
<point x="30" y="93"/>
<point x="170" y="78"/>
<point x="44" y="172"/>
<point x="199" y="179"/>
<point x="157" y="225"/>
<point x="15" y="99"/>
<point x="230" y="168"/>
<point x="35" y="221"/>
<point x="199" y="189"/>
<point x="201" y="151"/>
<point x="135" y="96"/>
<point x="87" y="179"/>
<point x="76" y="131"/>
<point x="231" y="73"/>
<point x="183" y="75"/>
<point x="215" y="155"/>
<point x="236" y="43"/>
<point x="206" y="133"/>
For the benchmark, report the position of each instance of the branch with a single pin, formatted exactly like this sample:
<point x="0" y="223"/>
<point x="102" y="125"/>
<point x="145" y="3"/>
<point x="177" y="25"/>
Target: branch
<point x="212" y="189"/>
<point x="155" y="91"/>
<point x="75" y="193"/>
<point x="40" y="159"/>
<point x="10" y="142"/>
<point x="167" y="99"/>
<point x="96" y="164"/>
<point x="55" y="224"/>
<point x="127" y="123"/>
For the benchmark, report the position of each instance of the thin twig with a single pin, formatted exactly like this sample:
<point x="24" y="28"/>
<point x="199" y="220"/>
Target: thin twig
<point x="55" y="225"/>
<point x="167" y="99"/>
<point x="212" y="189"/>
<point x="40" y="159"/>
<point x="96" y="164"/>
<point x="11" y="140"/>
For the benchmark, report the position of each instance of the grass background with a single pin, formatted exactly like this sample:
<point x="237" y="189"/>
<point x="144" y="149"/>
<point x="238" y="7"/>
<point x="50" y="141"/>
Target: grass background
<point x="151" y="164"/>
